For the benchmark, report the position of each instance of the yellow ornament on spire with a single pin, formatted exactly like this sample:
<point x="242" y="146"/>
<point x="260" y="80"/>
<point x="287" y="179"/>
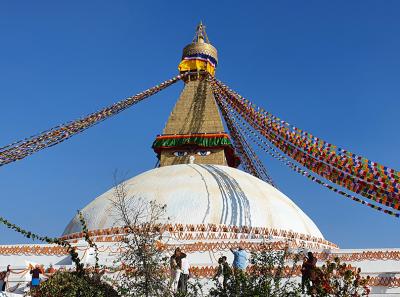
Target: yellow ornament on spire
<point x="200" y="55"/>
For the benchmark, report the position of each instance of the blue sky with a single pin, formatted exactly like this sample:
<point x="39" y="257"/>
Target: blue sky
<point x="329" y="67"/>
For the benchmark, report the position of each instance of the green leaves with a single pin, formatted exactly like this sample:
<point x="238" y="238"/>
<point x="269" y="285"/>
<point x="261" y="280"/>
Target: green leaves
<point x="88" y="239"/>
<point x="72" y="284"/>
<point x="338" y="279"/>
<point x="268" y="276"/>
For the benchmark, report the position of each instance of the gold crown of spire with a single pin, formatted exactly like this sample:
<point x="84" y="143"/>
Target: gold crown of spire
<point x="200" y="55"/>
<point x="200" y="44"/>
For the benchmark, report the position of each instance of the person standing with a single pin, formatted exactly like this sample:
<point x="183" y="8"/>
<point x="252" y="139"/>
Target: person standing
<point x="51" y="269"/>
<point x="239" y="261"/>
<point x="5" y="280"/>
<point x="184" y="277"/>
<point x="35" y="276"/>
<point x="175" y="264"/>
<point x="219" y="269"/>
<point x="223" y="270"/>
<point x="305" y="276"/>
<point x="308" y="271"/>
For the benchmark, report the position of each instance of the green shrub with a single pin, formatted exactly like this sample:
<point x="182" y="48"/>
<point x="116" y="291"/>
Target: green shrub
<point x="73" y="284"/>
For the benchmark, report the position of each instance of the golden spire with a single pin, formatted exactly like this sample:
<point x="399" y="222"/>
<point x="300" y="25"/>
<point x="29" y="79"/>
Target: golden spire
<point x="194" y="132"/>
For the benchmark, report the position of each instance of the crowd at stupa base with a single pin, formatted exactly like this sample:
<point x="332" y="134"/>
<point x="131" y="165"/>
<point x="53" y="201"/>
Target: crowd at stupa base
<point x="371" y="263"/>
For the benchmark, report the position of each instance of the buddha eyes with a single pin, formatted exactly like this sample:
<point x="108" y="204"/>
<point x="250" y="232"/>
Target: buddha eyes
<point x="183" y="153"/>
<point x="203" y="153"/>
<point x="180" y="154"/>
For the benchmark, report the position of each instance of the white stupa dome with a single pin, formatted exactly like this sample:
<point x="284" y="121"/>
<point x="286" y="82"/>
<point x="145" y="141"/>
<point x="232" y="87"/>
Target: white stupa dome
<point x="205" y="194"/>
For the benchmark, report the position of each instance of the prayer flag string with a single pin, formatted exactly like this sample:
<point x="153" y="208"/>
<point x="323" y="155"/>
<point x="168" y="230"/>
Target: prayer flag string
<point x="250" y="160"/>
<point x="266" y="147"/>
<point x="348" y="162"/>
<point x="365" y="166"/>
<point x="387" y="197"/>
<point x="23" y="148"/>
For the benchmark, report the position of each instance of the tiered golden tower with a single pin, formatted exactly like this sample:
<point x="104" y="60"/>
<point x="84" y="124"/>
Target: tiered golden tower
<point x="194" y="132"/>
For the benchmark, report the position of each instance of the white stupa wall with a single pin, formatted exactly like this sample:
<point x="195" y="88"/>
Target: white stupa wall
<point x="374" y="267"/>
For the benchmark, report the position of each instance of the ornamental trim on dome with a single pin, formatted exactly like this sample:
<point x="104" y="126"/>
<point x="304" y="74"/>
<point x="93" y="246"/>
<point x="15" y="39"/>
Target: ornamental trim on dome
<point x="213" y="232"/>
